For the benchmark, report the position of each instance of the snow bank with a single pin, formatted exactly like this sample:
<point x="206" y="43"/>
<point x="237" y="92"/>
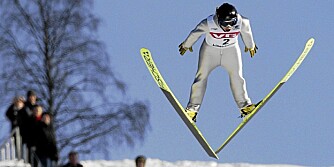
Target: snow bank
<point x="160" y="163"/>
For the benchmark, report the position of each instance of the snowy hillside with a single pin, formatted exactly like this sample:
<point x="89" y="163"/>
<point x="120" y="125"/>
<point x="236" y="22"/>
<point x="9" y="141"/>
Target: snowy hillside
<point x="153" y="163"/>
<point x="13" y="164"/>
<point x="160" y="163"/>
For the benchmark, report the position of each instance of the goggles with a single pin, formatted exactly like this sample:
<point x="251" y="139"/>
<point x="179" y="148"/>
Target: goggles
<point x="225" y="23"/>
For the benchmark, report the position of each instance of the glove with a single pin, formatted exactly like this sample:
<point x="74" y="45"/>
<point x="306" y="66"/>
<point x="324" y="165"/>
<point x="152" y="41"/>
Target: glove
<point x="252" y="51"/>
<point x="183" y="50"/>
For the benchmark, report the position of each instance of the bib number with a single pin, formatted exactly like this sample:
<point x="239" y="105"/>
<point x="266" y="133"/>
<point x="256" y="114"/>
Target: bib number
<point x="226" y="41"/>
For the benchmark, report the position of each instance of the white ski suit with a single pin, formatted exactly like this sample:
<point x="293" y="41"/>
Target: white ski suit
<point x="220" y="48"/>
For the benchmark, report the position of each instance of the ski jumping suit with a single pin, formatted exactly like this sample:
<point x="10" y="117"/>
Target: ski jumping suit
<point x="220" y="48"/>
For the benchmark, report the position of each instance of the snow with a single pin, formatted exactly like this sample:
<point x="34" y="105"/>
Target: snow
<point x="161" y="163"/>
<point x="13" y="163"/>
<point x="153" y="163"/>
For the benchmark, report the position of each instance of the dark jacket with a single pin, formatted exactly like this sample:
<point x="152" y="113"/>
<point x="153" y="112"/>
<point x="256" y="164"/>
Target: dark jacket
<point x="12" y="114"/>
<point x="46" y="146"/>
<point x="69" y="165"/>
<point x="24" y="121"/>
<point x="29" y="107"/>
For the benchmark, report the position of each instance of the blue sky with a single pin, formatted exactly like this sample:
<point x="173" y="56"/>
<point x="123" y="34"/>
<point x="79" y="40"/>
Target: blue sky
<point x="294" y="127"/>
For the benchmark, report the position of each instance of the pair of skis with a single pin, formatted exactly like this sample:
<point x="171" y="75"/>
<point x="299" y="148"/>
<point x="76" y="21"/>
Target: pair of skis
<point x="147" y="57"/>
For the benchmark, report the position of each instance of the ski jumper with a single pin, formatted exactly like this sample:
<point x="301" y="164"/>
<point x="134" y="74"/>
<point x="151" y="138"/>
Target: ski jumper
<point x="220" y="48"/>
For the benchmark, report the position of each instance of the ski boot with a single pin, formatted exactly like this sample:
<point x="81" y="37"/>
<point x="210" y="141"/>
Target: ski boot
<point x="192" y="114"/>
<point x="247" y="110"/>
<point x="192" y="110"/>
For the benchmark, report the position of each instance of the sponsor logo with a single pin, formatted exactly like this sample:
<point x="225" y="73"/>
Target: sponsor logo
<point x="153" y="70"/>
<point x="224" y="35"/>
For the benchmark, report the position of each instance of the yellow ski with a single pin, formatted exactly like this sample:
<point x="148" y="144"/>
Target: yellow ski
<point x="259" y="105"/>
<point x="146" y="54"/>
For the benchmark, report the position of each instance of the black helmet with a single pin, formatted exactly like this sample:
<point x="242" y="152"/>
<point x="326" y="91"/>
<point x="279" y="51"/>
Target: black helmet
<point x="227" y="15"/>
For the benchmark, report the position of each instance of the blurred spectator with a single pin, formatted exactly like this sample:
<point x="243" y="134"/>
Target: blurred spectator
<point x="46" y="147"/>
<point x="73" y="160"/>
<point x="14" y="110"/>
<point x="20" y="114"/>
<point x="31" y="101"/>
<point x="140" y="161"/>
<point x="37" y="113"/>
<point x="15" y="113"/>
<point x="26" y="120"/>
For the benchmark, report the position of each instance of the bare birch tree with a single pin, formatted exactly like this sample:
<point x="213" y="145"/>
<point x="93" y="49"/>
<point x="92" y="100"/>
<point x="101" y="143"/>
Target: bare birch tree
<point x="51" y="46"/>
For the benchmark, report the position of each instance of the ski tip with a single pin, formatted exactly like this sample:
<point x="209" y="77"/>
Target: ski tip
<point x="311" y="40"/>
<point x="310" y="43"/>
<point x="143" y="49"/>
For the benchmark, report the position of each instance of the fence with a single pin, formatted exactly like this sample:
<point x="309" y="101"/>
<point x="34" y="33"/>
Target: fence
<point x="11" y="148"/>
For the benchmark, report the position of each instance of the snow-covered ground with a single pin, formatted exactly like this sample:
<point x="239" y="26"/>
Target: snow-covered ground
<point x="160" y="163"/>
<point x="153" y="163"/>
<point x="13" y="164"/>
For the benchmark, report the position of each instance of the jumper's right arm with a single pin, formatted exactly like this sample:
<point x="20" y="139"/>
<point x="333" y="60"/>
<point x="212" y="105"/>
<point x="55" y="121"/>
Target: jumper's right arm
<point x="194" y="35"/>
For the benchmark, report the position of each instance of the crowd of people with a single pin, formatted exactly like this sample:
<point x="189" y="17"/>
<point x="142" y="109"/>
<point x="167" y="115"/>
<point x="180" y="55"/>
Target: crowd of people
<point x="35" y="127"/>
<point x="36" y="130"/>
<point x="37" y="133"/>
